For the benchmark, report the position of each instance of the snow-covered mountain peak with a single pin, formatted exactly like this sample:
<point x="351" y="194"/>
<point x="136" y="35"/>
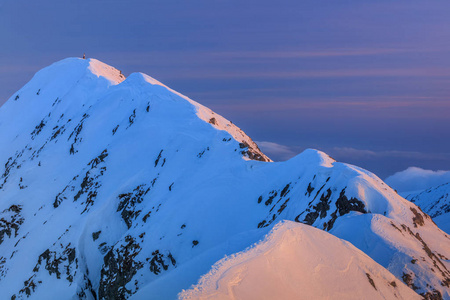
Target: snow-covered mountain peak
<point x="119" y="189"/>
<point x="314" y="157"/>
<point x="297" y="261"/>
<point x="151" y="86"/>
<point x="72" y="70"/>
<point x="101" y="69"/>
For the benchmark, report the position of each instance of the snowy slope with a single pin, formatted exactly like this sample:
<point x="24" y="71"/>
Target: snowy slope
<point x="434" y="201"/>
<point x="297" y="261"/>
<point x="114" y="187"/>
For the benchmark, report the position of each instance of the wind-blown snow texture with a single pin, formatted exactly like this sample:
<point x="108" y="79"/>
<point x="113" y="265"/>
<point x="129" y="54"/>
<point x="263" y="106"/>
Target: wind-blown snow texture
<point x="297" y="261"/>
<point x="118" y="188"/>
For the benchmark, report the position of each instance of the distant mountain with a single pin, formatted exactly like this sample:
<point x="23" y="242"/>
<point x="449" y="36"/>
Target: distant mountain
<point x="435" y="201"/>
<point x="115" y="188"/>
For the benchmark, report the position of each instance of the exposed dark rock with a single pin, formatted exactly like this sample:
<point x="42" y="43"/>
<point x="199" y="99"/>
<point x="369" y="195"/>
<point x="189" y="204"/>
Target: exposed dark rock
<point x="89" y="184"/>
<point x="86" y="289"/>
<point x="119" y="267"/>
<point x="203" y="152"/>
<point x="57" y="131"/>
<point x="345" y="205"/>
<point x="418" y="218"/>
<point x="283" y="206"/>
<point x="285" y="190"/>
<point x="158" y="158"/>
<point x="132" y="118"/>
<point x="75" y="134"/>
<point x="319" y="210"/>
<point x="262" y="224"/>
<point x="37" y="129"/>
<point x="29" y="286"/>
<point x="272" y="195"/>
<point x="3" y="269"/>
<point x="172" y="259"/>
<point x="96" y="235"/>
<point x="309" y="189"/>
<point x="408" y="280"/>
<point x="13" y="162"/>
<point x="146" y="216"/>
<point x="157" y="262"/>
<point x="371" y="281"/>
<point x="434" y="295"/>
<point x="57" y="101"/>
<point x="128" y="201"/>
<point x="253" y="154"/>
<point x="311" y="217"/>
<point x="393" y="225"/>
<point x="56" y="262"/>
<point x="115" y="129"/>
<point x="10" y="221"/>
<point x="213" y="121"/>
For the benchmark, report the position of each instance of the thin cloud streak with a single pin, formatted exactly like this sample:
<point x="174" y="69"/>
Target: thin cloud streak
<point x="319" y="53"/>
<point x="406" y="72"/>
<point x="138" y="57"/>
<point x="370" y="154"/>
<point x="284" y="152"/>
<point x="276" y="151"/>
<point x="302" y="103"/>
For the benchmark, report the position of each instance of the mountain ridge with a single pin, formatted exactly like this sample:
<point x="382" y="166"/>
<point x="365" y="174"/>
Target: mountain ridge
<point x="134" y="184"/>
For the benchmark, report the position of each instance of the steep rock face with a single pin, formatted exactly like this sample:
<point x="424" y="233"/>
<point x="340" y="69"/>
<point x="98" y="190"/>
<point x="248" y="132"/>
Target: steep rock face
<point x="115" y="187"/>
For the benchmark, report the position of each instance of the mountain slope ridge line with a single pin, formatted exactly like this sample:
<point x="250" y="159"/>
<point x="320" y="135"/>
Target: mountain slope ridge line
<point x="122" y="188"/>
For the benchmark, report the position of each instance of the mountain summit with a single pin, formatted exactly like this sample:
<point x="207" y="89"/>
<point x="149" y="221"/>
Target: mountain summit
<point x="115" y="188"/>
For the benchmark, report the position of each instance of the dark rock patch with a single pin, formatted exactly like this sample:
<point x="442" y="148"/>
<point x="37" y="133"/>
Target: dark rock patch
<point x="96" y="235"/>
<point x="309" y="189"/>
<point x="212" y="121"/>
<point x="418" y="218"/>
<point x="131" y="118"/>
<point x="10" y="221"/>
<point x="57" y="262"/>
<point x="115" y="130"/>
<point x="372" y="283"/>
<point x="158" y="158"/>
<point x="119" y="267"/>
<point x="76" y="134"/>
<point x="38" y="129"/>
<point x="128" y="202"/>
<point x="408" y="280"/>
<point x="89" y="184"/>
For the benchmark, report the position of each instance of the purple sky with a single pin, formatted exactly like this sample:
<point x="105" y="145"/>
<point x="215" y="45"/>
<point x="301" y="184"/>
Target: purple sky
<point x="365" y="81"/>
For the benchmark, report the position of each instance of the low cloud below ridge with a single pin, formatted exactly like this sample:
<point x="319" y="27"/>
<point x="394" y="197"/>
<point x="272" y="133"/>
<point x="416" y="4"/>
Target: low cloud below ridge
<point x="416" y="179"/>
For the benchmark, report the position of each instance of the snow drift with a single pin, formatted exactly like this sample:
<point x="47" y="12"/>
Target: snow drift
<point x="296" y="261"/>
